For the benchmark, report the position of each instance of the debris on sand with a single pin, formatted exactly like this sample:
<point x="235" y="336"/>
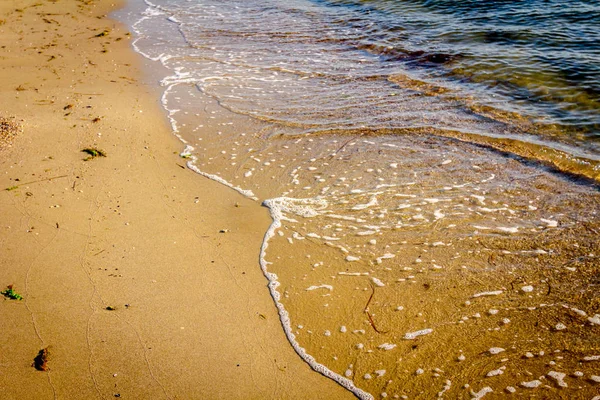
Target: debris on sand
<point x="10" y="293"/>
<point x="93" y="153"/>
<point x="9" y="128"/>
<point x="40" y="362"/>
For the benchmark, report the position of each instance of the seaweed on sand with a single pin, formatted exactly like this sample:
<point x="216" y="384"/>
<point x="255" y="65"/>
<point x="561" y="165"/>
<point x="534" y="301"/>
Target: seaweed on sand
<point x="10" y="293"/>
<point x="93" y="153"/>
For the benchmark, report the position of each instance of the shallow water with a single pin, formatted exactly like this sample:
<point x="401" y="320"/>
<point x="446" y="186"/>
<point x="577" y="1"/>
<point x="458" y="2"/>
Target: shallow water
<point x="422" y="216"/>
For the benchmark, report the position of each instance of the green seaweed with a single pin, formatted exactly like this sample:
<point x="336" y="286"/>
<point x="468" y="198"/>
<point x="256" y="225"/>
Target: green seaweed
<point x="10" y="293"/>
<point x="93" y="153"/>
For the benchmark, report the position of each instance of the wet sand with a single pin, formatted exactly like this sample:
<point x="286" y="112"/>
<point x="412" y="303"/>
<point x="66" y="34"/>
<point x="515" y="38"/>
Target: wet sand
<point x="140" y="277"/>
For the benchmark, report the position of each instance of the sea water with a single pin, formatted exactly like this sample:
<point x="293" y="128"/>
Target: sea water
<point x="431" y="168"/>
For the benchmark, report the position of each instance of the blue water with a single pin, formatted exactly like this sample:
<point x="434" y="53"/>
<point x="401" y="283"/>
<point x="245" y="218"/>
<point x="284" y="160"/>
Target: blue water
<point x="525" y="70"/>
<point x="542" y="56"/>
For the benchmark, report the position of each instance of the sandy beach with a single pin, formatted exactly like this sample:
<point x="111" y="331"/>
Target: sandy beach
<point x="140" y="278"/>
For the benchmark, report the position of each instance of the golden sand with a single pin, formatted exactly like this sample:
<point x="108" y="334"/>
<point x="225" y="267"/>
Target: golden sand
<point x="126" y="279"/>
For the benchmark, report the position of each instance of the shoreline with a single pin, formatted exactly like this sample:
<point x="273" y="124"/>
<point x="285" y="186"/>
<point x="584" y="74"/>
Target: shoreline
<point x="125" y="275"/>
<point x="427" y="222"/>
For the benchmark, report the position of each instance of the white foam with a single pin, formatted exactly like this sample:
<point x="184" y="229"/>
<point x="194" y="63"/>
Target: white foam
<point x="558" y="377"/>
<point x="595" y="319"/>
<point x="531" y="384"/>
<point x="328" y="287"/>
<point x="509" y="229"/>
<point x="496" y="372"/>
<point x="414" y="335"/>
<point x="481" y="393"/>
<point x="591" y="358"/>
<point x="578" y="311"/>
<point x="481" y="199"/>
<point x="496" y="350"/>
<point x="191" y="165"/>
<point x="353" y="273"/>
<point x="343" y="217"/>
<point x="330" y="238"/>
<point x="277" y="208"/>
<point x="447" y="386"/>
<point x="386" y="256"/>
<point x="549" y="223"/>
<point x="489" y="210"/>
<point x="297" y="236"/>
<point x="386" y="346"/>
<point x="491" y="178"/>
<point x="377" y="282"/>
<point x="493" y="293"/>
<point x="372" y="202"/>
<point x="366" y="233"/>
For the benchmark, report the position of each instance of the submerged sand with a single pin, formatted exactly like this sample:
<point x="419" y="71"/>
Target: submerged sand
<point x="140" y="277"/>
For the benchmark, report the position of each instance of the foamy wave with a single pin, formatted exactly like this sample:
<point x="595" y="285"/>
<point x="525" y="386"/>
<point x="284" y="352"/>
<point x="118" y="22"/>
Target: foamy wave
<point x="301" y="207"/>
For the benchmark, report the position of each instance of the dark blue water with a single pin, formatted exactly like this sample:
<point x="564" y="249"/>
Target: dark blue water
<point x="543" y="56"/>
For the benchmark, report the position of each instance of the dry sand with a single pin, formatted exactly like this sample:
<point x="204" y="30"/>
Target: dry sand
<point x="134" y="231"/>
